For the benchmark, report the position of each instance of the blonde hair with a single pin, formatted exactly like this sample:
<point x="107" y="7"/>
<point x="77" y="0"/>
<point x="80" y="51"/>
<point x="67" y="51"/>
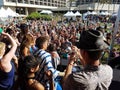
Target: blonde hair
<point x="2" y="45"/>
<point x="28" y="40"/>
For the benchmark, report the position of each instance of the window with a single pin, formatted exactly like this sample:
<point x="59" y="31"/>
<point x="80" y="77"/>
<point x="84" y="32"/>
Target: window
<point x="20" y="10"/>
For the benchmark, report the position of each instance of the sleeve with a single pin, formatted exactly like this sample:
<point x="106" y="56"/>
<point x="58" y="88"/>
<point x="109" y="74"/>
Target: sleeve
<point x="74" y="82"/>
<point x="33" y="49"/>
<point x="49" y="66"/>
<point x="68" y="83"/>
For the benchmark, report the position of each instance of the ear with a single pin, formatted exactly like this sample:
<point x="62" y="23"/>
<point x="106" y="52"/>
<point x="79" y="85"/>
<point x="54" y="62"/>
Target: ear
<point x="84" y="56"/>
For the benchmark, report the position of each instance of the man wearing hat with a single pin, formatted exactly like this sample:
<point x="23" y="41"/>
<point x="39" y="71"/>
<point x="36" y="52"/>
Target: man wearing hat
<point x="94" y="75"/>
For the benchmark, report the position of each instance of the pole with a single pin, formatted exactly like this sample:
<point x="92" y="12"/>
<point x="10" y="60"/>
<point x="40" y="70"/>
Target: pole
<point x="115" y="29"/>
<point x="16" y="6"/>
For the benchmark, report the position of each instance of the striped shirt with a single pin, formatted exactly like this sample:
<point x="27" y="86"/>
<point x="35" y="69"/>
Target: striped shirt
<point x="45" y="65"/>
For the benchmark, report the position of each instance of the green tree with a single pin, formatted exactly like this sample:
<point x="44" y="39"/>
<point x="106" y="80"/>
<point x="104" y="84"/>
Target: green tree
<point x="36" y="15"/>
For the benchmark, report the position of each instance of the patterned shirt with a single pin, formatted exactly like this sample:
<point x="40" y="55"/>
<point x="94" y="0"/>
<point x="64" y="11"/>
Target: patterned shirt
<point x="45" y="65"/>
<point x="90" y="78"/>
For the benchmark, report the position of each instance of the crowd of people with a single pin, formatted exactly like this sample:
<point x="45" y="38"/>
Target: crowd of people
<point x="47" y="55"/>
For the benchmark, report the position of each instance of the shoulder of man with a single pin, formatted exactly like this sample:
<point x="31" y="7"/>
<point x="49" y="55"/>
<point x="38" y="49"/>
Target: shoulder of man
<point x="74" y="81"/>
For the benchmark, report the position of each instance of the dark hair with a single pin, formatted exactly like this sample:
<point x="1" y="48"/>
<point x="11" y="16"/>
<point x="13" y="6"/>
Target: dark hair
<point x="94" y="55"/>
<point x="9" y="30"/>
<point x="52" y="47"/>
<point x="25" y="64"/>
<point x="24" y="28"/>
<point x="40" y="41"/>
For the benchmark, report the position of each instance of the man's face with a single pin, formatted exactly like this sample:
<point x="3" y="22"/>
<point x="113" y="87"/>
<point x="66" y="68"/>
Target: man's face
<point x="46" y="45"/>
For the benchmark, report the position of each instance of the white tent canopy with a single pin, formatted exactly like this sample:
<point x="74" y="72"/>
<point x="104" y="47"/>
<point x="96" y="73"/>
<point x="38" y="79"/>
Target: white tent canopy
<point x="88" y="13"/>
<point x="3" y="12"/>
<point x="102" y="13"/>
<point x="66" y="14"/>
<point x="11" y="12"/>
<point x="93" y="13"/>
<point x="78" y="14"/>
<point x="46" y="12"/>
<point x="69" y="14"/>
<point x="114" y="14"/>
<point x="7" y="13"/>
<point x="106" y="13"/>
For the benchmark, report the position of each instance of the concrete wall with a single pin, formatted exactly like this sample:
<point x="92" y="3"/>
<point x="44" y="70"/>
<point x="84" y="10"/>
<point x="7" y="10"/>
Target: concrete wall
<point x="99" y="7"/>
<point x="108" y="7"/>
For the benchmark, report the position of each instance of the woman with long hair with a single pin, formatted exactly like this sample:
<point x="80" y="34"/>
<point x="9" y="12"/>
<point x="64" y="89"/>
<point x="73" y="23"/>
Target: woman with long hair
<point x="26" y="73"/>
<point x="26" y="46"/>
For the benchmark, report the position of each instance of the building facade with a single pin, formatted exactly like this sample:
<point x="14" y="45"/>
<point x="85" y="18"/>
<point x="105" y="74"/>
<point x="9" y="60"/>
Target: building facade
<point x="96" y="1"/>
<point x="96" y="5"/>
<point x="27" y="6"/>
<point x="91" y="5"/>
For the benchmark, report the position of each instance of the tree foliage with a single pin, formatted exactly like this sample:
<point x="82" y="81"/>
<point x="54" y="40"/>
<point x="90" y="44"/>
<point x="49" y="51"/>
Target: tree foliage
<point x="36" y="15"/>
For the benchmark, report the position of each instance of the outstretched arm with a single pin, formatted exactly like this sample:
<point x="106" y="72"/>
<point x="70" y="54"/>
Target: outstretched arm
<point x="6" y="60"/>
